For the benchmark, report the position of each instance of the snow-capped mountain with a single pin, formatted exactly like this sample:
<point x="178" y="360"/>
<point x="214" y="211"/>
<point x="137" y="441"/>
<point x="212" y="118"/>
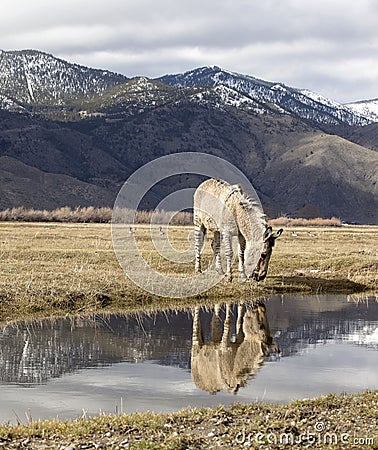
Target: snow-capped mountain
<point x="366" y="108"/>
<point x="30" y="78"/>
<point x="82" y="132"/>
<point x="302" y="103"/>
<point x="33" y="77"/>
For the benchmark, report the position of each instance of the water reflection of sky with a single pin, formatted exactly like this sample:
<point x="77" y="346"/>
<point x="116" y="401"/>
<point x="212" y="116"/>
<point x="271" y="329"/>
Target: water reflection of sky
<point x="327" y="345"/>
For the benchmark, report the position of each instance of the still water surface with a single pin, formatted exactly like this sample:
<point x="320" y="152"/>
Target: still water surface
<point x="167" y="361"/>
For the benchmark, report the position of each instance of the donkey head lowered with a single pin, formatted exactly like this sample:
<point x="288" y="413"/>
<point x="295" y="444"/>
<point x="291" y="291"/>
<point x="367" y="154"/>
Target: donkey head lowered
<point x="269" y="240"/>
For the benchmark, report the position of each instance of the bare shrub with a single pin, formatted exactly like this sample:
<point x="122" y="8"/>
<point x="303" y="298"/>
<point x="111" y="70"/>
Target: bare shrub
<point x="318" y="222"/>
<point x="91" y="214"/>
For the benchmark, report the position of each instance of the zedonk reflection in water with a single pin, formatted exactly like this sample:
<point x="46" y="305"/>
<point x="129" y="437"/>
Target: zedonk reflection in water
<point x="228" y="360"/>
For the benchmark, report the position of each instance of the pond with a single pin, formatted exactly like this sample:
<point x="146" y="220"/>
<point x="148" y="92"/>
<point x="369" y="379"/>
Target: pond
<point x="275" y="350"/>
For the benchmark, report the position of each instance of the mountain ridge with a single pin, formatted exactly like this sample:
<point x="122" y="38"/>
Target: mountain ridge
<point x="34" y="77"/>
<point x="30" y="77"/>
<point x="301" y="102"/>
<point x="304" y="154"/>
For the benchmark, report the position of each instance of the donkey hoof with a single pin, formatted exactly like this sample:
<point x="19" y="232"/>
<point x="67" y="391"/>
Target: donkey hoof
<point x="242" y="278"/>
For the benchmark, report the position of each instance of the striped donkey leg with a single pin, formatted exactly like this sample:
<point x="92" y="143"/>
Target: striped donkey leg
<point x="215" y="245"/>
<point x="199" y="237"/>
<point x="227" y="238"/>
<point x="197" y="329"/>
<point x="241" y="250"/>
<point x="226" y="337"/>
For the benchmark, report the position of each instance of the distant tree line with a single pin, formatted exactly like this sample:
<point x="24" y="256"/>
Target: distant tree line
<point x="91" y="214"/>
<point x="300" y="222"/>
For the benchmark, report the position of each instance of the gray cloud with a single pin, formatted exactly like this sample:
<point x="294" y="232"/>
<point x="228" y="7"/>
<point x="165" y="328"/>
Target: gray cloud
<point x="329" y="46"/>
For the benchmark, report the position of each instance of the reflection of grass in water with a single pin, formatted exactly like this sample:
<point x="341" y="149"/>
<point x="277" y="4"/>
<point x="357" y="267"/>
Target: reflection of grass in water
<point x="55" y="269"/>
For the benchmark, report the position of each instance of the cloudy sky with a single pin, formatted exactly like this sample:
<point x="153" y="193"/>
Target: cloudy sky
<point x="328" y="46"/>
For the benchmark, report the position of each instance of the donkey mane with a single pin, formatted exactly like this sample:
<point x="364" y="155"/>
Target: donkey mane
<point x="250" y="205"/>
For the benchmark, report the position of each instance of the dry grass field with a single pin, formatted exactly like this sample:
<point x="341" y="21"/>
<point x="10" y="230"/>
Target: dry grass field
<point x="62" y="269"/>
<point x="50" y="269"/>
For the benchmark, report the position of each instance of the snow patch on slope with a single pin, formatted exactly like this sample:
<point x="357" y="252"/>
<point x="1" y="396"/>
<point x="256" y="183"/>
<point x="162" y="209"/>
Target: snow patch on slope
<point x="367" y="108"/>
<point x="320" y="98"/>
<point x="9" y="105"/>
<point x="222" y="95"/>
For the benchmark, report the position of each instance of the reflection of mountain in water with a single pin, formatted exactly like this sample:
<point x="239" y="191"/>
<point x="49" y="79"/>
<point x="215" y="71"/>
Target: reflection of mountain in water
<point x="295" y="340"/>
<point x="367" y="336"/>
<point x="298" y="323"/>
<point x="35" y="353"/>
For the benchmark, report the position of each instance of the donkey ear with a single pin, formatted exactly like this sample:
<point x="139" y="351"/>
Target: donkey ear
<point x="267" y="234"/>
<point x="278" y="233"/>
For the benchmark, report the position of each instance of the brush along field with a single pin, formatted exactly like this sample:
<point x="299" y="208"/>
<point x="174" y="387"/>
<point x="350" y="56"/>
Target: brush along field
<point x="51" y="269"/>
